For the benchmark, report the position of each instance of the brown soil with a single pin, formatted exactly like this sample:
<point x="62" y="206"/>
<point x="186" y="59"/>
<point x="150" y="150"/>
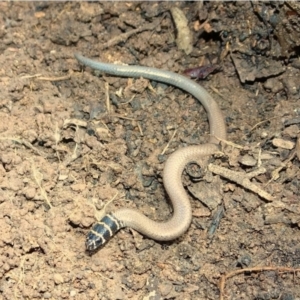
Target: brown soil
<point x="65" y="152"/>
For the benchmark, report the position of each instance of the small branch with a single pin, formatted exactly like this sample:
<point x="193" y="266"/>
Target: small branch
<point x="38" y="177"/>
<point x="23" y="142"/>
<point x="254" y="269"/>
<point x="171" y="139"/>
<point x="123" y="37"/>
<point x="242" y="179"/>
<point x="59" y="78"/>
<point x="45" y="78"/>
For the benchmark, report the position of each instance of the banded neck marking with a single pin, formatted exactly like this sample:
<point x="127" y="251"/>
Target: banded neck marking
<point x="102" y="231"/>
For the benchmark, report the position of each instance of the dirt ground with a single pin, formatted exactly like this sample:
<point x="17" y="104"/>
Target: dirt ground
<point x="72" y="140"/>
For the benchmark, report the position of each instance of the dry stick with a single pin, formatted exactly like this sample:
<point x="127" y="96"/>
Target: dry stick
<point x="261" y="122"/>
<point x="84" y="124"/>
<point x="107" y="100"/>
<point x="123" y="117"/>
<point x="57" y="136"/>
<point x="123" y="37"/>
<point x="100" y="214"/>
<point x="31" y="76"/>
<point x="130" y="119"/>
<point x="230" y="143"/>
<point x="275" y="173"/>
<point x="25" y="143"/>
<point x="295" y="152"/>
<point x="242" y="179"/>
<point x="18" y="278"/>
<point x="75" y="122"/>
<point x="45" y="78"/>
<point x="61" y="78"/>
<point x="217" y="92"/>
<point x="297" y="148"/>
<point x="38" y="177"/>
<point x="254" y="269"/>
<point x="168" y="144"/>
<point x="127" y="102"/>
<point x="73" y="157"/>
<point x="140" y="128"/>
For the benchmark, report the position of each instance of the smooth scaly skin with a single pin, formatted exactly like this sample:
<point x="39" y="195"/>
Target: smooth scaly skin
<point x="182" y="216"/>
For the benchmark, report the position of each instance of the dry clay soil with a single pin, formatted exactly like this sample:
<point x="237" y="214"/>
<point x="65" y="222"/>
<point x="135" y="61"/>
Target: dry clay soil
<point x="72" y="140"/>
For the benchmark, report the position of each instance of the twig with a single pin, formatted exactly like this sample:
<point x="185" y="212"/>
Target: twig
<point x="242" y="179"/>
<point x="38" y="177"/>
<point x="261" y="122"/>
<point x="123" y="37"/>
<point x="254" y="269"/>
<point x="25" y="143"/>
<point x="230" y="143"/>
<point x="45" y="78"/>
<point x="215" y="221"/>
<point x="100" y="214"/>
<point x="123" y="117"/>
<point x="107" y="98"/>
<point x="127" y="102"/>
<point x="275" y="173"/>
<point x="59" y="78"/>
<point x="297" y="148"/>
<point x="171" y="139"/>
<point x="31" y="76"/>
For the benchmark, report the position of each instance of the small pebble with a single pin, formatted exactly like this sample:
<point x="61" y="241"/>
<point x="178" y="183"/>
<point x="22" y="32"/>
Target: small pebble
<point x="284" y="144"/>
<point x="47" y="295"/>
<point x="248" y="160"/>
<point x="29" y="193"/>
<point x="291" y="131"/>
<point x="165" y="288"/>
<point x="58" y="278"/>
